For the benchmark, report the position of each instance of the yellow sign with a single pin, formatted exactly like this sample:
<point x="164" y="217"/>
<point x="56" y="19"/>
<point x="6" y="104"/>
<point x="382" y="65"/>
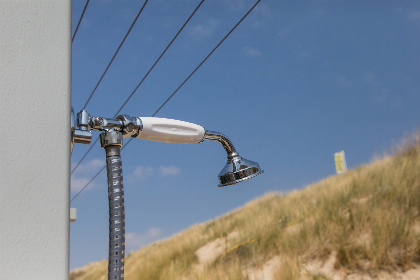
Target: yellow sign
<point x="340" y="162"/>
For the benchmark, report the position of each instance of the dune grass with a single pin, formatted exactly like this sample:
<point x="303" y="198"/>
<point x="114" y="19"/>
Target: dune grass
<point x="369" y="217"/>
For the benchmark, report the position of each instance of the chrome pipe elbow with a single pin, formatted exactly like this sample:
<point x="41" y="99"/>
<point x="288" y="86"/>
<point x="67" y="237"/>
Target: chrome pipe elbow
<point x="237" y="168"/>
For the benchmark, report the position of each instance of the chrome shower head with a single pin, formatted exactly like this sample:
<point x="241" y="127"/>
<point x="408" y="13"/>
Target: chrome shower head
<point x="237" y="169"/>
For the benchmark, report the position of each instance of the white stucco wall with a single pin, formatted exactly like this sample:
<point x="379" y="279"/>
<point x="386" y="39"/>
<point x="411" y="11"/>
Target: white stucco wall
<point x="35" y="61"/>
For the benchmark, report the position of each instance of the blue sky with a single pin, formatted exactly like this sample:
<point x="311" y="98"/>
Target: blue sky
<point x="296" y="82"/>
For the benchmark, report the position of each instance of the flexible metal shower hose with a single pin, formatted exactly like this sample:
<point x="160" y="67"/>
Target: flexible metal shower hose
<point x="116" y="218"/>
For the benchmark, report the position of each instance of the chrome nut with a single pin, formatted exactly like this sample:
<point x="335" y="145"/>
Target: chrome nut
<point x="131" y="126"/>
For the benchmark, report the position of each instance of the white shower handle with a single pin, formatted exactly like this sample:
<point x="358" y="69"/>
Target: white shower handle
<point x="170" y="131"/>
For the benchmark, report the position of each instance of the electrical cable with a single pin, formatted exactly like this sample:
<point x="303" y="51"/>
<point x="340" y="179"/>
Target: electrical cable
<point x="94" y="177"/>
<point x="172" y="95"/>
<point x="83" y="157"/>
<point x="138" y="85"/>
<point x="154" y="64"/>
<point x="115" y="54"/>
<point x="204" y="60"/>
<point x="192" y="73"/>
<point x="80" y="20"/>
<point x="103" y="74"/>
<point x="88" y="183"/>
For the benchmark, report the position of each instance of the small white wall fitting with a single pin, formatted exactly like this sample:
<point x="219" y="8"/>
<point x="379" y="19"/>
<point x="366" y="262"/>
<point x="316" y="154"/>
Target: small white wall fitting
<point x="73" y="214"/>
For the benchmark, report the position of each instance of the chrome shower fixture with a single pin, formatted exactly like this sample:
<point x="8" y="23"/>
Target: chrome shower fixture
<point x="236" y="170"/>
<point x="79" y="135"/>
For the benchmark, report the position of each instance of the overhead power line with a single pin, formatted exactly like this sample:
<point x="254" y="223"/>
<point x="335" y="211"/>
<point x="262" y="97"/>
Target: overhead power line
<point x="103" y="74"/>
<point x="88" y="183"/>
<point x="172" y="95"/>
<point x="84" y="156"/>
<point x="201" y="63"/>
<point x="94" y="176"/>
<point x="204" y="60"/>
<point x="115" y="54"/>
<point x="154" y="64"/>
<point x="139" y="84"/>
<point x="80" y="20"/>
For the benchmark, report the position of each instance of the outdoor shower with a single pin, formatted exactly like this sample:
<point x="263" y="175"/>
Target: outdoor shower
<point x="236" y="170"/>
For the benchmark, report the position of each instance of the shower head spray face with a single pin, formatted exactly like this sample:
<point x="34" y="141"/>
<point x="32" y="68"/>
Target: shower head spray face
<point x="238" y="169"/>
